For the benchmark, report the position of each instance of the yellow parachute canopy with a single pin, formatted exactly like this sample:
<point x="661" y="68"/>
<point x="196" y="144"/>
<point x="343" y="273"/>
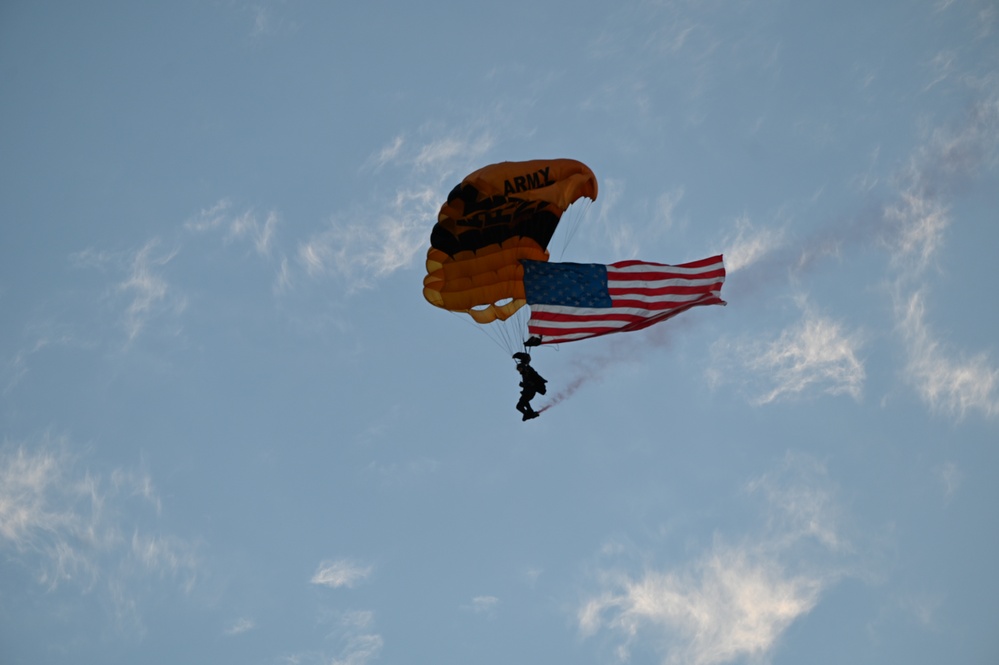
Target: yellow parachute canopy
<point x="497" y="216"/>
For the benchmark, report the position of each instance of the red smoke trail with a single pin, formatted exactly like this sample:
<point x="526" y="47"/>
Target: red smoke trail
<point x="625" y="349"/>
<point x="566" y="392"/>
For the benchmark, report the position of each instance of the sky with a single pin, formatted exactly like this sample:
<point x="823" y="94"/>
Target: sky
<point x="233" y="431"/>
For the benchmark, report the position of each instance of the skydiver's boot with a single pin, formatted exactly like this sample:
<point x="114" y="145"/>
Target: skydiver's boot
<point x="531" y="414"/>
<point x="533" y="340"/>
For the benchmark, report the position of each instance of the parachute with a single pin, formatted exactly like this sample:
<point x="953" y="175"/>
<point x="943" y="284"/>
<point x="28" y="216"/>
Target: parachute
<point x="488" y="258"/>
<point x="495" y="218"/>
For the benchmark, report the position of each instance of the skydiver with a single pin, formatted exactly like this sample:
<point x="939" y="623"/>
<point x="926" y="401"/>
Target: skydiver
<point x="531" y="383"/>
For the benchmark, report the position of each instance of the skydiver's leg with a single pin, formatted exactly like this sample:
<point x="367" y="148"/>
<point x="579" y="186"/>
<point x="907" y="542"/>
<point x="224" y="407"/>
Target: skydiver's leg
<point x="525" y="400"/>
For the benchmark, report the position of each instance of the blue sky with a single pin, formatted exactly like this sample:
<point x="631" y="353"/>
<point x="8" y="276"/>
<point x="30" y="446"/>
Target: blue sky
<point x="234" y="432"/>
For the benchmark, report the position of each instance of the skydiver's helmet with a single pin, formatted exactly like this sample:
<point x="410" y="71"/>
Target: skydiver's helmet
<point x="522" y="357"/>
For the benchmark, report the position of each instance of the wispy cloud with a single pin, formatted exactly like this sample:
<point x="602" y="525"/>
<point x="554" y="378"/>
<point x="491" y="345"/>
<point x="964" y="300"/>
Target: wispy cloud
<point x="31" y="513"/>
<point x="360" y="649"/>
<point x="148" y="291"/>
<point x="440" y="153"/>
<point x="78" y="529"/>
<point x="916" y="225"/>
<point x="949" y="381"/>
<point x="666" y="206"/>
<point x="359" y="246"/>
<point x="953" y="385"/>
<point x="729" y="604"/>
<point x="240" y="626"/>
<point x="266" y="18"/>
<point x="370" y="243"/>
<point x="260" y="233"/>
<point x="210" y="218"/>
<point x="340" y="573"/>
<point x="941" y="67"/>
<point x="616" y="230"/>
<point x="817" y="355"/>
<point x="245" y="226"/>
<point x="748" y="244"/>
<point x="482" y="605"/>
<point x="733" y="601"/>
<point x="352" y="632"/>
<point x="360" y="644"/>
<point x="801" y="504"/>
<point x="950" y="478"/>
<point x="145" y="291"/>
<point x="439" y="157"/>
<point x="359" y="253"/>
<point x="821" y="354"/>
<point x="389" y="153"/>
<point x="13" y="370"/>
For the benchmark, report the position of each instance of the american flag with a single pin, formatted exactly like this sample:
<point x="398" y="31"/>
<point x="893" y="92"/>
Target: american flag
<point x="571" y="301"/>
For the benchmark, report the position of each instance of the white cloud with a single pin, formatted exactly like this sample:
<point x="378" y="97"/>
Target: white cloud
<point x="373" y="242"/>
<point x="749" y="244"/>
<point x="78" y="529"/>
<point x="284" y="278"/>
<point x="261" y="21"/>
<point x="149" y="291"/>
<point x="816" y="355"/>
<point x="361" y="252"/>
<point x="356" y="640"/>
<point x="136" y="484"/>
<point x="732" y="602"/>
<point x="210" y="218"/>
<point x="918" y="223"/>
<point x="245" y="226"/>
<point x="801" y="503"/>
<point x="941" y="67"/>
<point x="954" y="386"/>
<point x="948" y="381"/>
<point x="360" y="650"/>
<point x="17" y="367"/>
<point x="29" y="513"/>
<point x="923" y="608"/>
<point x="240" y="626"/>
<point x="987" y="18"/>
<point x="666" y="206"/>
<point x="166" y="556"/>
<point x="261" y="234"/>
<point x="950" y="478"/>
<point x="340" y="573"/>
<point x="438" y="154"/>
<point x="144" y="288"/>
<point x="532" y="574"/>
<point x="438" y="158"/>
<point x="482" y="605"/>
<point x="266" y="18"/>
<point x="388" y="154"/>
<point x="616" y="230"/>
<point x="950" y="158"/>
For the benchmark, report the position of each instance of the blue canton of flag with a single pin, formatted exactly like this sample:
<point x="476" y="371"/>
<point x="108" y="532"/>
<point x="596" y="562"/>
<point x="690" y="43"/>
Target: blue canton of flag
<point x="566" y="284"/>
